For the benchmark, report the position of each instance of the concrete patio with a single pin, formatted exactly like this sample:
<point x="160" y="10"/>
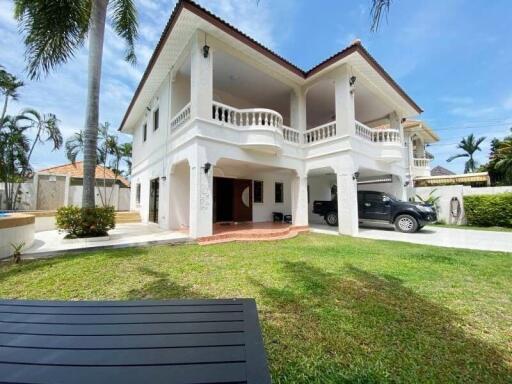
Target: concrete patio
<point x="50" y="243"/>
<point x="432" y="235"/>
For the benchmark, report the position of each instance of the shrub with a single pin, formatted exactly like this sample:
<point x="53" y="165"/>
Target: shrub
<point x="85" y="222"/>
<point x="489" y="210"/>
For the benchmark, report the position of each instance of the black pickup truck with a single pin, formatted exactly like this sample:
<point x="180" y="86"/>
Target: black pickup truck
<point x="379" y="206"/>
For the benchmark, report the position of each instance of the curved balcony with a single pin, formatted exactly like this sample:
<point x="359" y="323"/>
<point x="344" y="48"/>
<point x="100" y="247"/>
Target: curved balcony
<point x="421" y="167"/>
<point x="260" y="129"/>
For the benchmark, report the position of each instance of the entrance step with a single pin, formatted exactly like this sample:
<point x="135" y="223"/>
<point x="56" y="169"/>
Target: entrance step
<point x="251" y="232"/>
<point x="127" y="217"/>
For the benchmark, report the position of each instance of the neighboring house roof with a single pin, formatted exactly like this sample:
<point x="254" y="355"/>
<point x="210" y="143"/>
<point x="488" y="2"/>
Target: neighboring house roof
<point x="441" y="171"/>
<point x="77" y="170"/>
<point x="206" y="15"/>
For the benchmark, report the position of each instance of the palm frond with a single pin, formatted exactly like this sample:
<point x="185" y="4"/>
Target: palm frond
<point x="379" y="9"/>
<point x="124" y="20"/>
<point x="54" y="31"/>
<point x="457" y="156"/>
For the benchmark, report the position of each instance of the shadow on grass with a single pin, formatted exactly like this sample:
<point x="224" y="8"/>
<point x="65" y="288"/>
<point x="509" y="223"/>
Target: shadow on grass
<point x="161" y="287"/>
<point x="363" y="328"/>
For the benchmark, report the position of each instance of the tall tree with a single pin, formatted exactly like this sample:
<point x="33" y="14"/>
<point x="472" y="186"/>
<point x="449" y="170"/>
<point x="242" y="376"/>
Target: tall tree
<point x="9" y="85"/>
<point x="55" y="30"/>
<point x="469" y="145"/>
<point x="504" y="158"/>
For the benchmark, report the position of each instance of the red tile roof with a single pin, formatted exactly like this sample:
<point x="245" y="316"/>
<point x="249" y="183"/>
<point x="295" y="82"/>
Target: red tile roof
<point x="77" y="170"/>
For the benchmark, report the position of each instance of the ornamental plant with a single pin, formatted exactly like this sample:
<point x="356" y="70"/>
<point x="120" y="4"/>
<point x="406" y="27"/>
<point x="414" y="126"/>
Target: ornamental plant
<point x="85" y="222"/>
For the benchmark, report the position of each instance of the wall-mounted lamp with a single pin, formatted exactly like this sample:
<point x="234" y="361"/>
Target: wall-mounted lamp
<point x="355" y="176"/>
<point x="206" y="48"/>
<point x="352" y="81"/>
<point x="407" y="183"/>
<point x="148" y="109"/>
<point x="207" y="167"/>
<point x="163" y="178"/>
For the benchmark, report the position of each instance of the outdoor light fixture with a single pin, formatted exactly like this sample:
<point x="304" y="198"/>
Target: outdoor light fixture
<point x="352" y="81"/>
<point x="355" y="176"/>
<point x="163" y="178"/>
<point x="206" y="48"/>
<point x="207" y="167"/>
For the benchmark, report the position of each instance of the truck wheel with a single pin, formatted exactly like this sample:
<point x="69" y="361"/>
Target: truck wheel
<point x="406" y="223"/>
<point x="332" y="219"/>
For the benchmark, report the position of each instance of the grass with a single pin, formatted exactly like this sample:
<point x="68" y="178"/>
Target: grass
<point x="333" y="309"/>
<point x="495" y="229"/>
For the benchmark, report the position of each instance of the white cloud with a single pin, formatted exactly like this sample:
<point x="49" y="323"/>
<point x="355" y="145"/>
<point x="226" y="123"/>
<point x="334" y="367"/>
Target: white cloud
<point x="507" y="103"/>
<point x="457" y="99"/>
<point x="473" y="111"/>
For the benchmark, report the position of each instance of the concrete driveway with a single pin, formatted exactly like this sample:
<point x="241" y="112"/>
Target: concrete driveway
<point x="438" y="236"/>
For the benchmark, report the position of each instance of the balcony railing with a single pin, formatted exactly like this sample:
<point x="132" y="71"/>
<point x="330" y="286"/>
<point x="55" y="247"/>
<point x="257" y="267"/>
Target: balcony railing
<point x="378" y="135"/>
<point x="253" y="117"/>
<point x="181" y="117"/>
<point x="290" y="134"/>
<point x="320" y="133"/>
<point x="422" y="163"/>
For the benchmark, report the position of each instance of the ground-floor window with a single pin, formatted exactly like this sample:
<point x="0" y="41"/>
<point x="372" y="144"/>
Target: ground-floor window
<point x="258" y="191"/>
<point x="137" y="194"/>
<point x="278" y="192"/>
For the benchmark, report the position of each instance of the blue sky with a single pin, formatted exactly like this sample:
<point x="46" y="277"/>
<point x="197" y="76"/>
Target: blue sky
<point x="453" y="57"/>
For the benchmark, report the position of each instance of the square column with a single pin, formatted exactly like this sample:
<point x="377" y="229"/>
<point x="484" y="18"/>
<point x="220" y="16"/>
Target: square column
<point x="201" y="201"/>
<point x="298" y="112"/>
<point x="300" y="201"/>
<point x="348" y="217"/>
<point x="201" y="78"/>
<point x="344" y="99"/>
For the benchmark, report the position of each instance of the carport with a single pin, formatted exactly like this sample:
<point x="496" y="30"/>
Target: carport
<point x="171" y="341"/>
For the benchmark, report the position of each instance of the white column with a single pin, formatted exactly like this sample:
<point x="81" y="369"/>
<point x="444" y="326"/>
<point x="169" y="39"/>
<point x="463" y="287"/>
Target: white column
<point x="344" y="99"/>
<point x="67" y="185"/>
<point x="201" y="78"/>
<point x="300" y="200"/>
<point x="201" y="201"/>
<point x="35" y="185"/>
<point x="298" y="112"/>
<point x="348" y="218"/>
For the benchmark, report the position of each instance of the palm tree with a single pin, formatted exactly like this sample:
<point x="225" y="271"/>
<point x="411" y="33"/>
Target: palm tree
<point x="379" y="9"/>
<point x="9" y="85"/>
<point x="54" y="31"/>
<point x="126" y="150"/>
<point x="469" y="145"/>
<point x="504" y="154"/>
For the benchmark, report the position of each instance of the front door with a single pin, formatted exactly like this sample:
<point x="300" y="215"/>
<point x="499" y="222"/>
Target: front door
<point x="374" y="207"/>
<point x="154" y="187"/>
<point x="242" y="200"/>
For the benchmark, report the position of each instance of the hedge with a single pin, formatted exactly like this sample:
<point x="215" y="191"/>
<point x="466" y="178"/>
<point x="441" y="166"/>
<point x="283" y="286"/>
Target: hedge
<point x="489" y="210"/>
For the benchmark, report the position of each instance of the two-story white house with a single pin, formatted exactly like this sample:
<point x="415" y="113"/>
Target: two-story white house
<point x="225" y="130"/>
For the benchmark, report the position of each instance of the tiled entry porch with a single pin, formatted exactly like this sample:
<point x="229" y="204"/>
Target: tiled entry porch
<point x="248" y="231"/>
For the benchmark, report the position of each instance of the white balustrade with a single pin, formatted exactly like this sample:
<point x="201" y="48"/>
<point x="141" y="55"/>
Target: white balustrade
<point x="259" y="117"/>
<point x="181" y="117"/>
<point x="290" y="134"/>
<point x="421" y="163"/>
<point x="321" y="132"/>
<point x="378" y="135"/>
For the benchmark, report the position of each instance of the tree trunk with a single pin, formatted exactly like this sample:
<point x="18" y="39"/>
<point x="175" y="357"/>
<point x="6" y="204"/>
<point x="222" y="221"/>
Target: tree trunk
<point x="4" y="111"/>
<point x="96" y="36"/>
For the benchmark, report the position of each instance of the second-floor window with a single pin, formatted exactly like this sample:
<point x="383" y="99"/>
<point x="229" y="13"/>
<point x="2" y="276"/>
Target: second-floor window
<point x="156" y="119"/>
<point x="144" y="132"/>
<point x="278" y="192"/>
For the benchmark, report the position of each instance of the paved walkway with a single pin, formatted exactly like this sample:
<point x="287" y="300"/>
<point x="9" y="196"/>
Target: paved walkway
<point x="51" y="243"/>
<point x="439" y="236"/>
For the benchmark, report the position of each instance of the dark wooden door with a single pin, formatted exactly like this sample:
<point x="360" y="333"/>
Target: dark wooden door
<point x="242" y="200"/>
<point x="153" y="200"/>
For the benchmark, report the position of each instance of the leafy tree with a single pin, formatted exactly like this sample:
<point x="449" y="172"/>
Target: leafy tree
<point x="504" y="158"/>
<point x="14" y="146"/>
<point x="126" y="151"/>
<point x="499" y="153"/>
<point x="9" y="86"/>
<point x="54" y="31"/>
<point x="469" y="145"/>
<point x="109" y="154"/>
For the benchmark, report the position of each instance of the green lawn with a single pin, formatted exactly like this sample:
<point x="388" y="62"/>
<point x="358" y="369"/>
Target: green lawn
<point x="495" y="229"/>
<point x="333" y="309"/>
